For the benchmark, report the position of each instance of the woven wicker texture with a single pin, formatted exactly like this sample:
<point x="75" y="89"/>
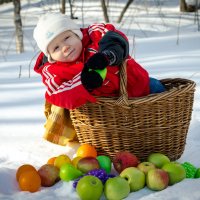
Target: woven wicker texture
<point x="155" y="123"/>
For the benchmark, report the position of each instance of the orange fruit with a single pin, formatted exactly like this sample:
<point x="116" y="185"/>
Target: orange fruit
<point x="86" y="150"/>
<point x="24" y="168"/>
<point x="75" y="161"/>
<point x="51" y="161"/>
<point x="30" y="181"/>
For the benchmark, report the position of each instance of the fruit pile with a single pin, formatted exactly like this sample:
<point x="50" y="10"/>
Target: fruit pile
<point x="91" y="173"/>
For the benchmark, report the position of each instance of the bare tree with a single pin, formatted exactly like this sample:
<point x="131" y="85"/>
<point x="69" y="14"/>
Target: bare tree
<point x="124" y="10"/>
<point x="184" y="7"/>
<point x="105" y="11"/>
<point x="62" y="6"/>
<point x="18" y="26"/>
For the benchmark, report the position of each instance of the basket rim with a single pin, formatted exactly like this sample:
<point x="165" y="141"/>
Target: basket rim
<point x="187" y="85"/>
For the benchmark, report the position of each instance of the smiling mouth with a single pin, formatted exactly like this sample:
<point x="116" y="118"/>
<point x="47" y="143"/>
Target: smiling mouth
<point x="70" y="52"/>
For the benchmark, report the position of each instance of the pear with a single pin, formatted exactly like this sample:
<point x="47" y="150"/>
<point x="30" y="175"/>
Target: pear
<point x="68" y="172"/>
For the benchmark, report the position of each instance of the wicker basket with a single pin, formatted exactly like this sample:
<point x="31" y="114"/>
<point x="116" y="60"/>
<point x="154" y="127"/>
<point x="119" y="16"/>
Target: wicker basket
<point x="155" y="123"/>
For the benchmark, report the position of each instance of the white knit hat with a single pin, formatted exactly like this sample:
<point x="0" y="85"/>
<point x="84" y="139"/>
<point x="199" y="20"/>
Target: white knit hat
<point x="49" y="26"/>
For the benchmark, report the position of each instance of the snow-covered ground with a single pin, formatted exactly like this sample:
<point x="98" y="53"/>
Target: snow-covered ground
<point x="152" y="28"/>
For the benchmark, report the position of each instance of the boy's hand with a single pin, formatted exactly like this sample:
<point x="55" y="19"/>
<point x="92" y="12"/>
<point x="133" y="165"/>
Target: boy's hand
<point x="97" y="61"/>
<point x="91" y="79"/>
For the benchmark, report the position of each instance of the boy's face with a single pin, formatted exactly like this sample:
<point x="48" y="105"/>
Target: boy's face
<point x="66" y="47"/>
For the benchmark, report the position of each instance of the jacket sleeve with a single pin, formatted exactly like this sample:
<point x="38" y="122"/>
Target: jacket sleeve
<point x="110" y="41"/>
<point x="67" y="94"/>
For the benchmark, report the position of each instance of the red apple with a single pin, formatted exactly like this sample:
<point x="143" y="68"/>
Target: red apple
<point x="87" y="163"/>
<point x="49" y="175"/>
<point x="123" y="160"/>
<point x="157" y="179"/>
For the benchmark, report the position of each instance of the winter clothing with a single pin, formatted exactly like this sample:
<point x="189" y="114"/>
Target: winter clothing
<point x="156" y="86"/>
<point x="57" y="23"/>
<point x="58" y="126"/>
<point x="113" y="49"/>
<point x="115" y="46"/>
<point x="63" y="80"/>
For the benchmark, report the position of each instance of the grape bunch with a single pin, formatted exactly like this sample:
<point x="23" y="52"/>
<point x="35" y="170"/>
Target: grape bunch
<point x="99" y="173"/>
<point x="190" y="169"/>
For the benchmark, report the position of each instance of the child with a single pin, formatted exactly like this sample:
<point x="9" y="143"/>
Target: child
<point x="74" y="57"/>
<point x="69" y="64"/>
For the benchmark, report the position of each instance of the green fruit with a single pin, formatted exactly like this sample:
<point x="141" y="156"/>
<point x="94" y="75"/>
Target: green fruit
<point x="189" y="169"/>
<point x="89" y="188"/>
<point x="68" y="172"/>
<point x="146" y="166"/>
<point x="158" y="159"/>
<point x="101" y="72"/>
<point x="175" y="171"/>
<point x="135" y="178"/>
<point x="105" y="163"/>
<point x="197" y="175"/>
<point x="116" y="188"/>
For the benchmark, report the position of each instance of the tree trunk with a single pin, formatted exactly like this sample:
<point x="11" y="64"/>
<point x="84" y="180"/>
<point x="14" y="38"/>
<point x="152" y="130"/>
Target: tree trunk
<point x="124" y="10"/>
<point x="105" y="12"/>
<point x="71" y="10"/>
<point x="183" y="6"/>
<point x="62" y="7"/>
<point x="18" y="26"/>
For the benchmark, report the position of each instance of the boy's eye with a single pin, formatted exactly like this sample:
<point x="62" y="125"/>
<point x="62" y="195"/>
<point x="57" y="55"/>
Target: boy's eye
<point x="67" y="37"/>
<point x="56" y="48"/>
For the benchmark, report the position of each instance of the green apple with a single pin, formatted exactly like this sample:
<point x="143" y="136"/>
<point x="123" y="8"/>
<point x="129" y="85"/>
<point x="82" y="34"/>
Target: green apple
<point x="158" y="159"/>
<point x="176" y="172"/>
<point x="68" y="172"/>
<point x="89" y="187"/>
<point x="197" y="174"/>
<point x="146" y="166"/>
<point x="157" y="179"/>
<point x="116" y="188"/>
<point x="105" y="163"/>
<point x="135" y="178"/>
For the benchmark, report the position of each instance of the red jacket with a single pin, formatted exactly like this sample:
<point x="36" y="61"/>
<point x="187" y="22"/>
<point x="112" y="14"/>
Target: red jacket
<point x="63" y="82"/>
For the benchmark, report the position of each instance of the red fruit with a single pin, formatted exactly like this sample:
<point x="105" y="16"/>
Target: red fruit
<point x="49" y="175"/>
<point x="123" y="160"/>
<point x="87" y="163"/>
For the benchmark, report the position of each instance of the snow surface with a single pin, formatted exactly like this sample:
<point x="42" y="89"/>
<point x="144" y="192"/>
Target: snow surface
<point x="163" y="40"/>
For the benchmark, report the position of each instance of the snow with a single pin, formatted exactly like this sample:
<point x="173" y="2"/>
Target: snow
<point x="152" y="28"/>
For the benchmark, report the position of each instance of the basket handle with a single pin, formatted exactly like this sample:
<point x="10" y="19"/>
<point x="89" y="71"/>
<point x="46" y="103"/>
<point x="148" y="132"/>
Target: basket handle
<point x="123" y="98"/>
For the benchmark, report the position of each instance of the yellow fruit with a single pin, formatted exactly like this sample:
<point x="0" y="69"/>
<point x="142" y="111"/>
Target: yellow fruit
<point x="61" y="159"/>
<point x="75" y="161"/>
